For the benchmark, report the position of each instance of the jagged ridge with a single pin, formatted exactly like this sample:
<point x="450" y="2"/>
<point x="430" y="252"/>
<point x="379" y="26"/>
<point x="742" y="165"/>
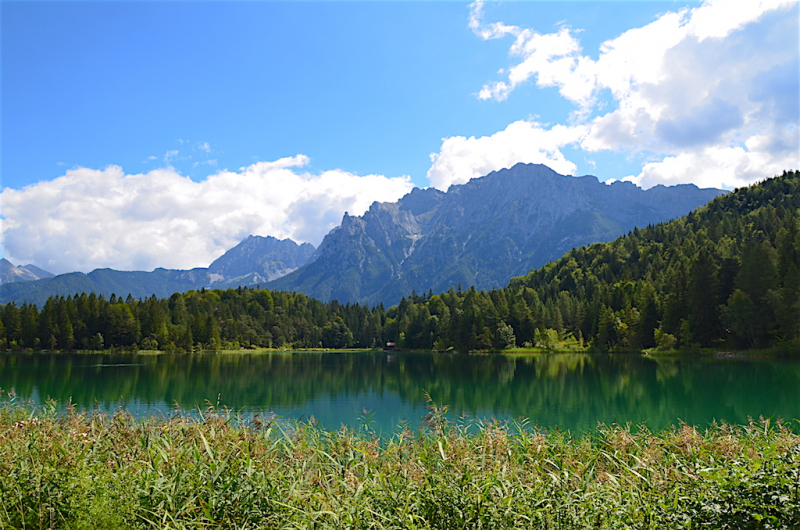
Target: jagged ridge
<point x="481" y="233"/>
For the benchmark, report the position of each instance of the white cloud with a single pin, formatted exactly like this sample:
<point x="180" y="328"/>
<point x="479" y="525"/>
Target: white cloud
<point x="487" y="31"/>
<point x="715" y="86"/>
<point x="635" y="57"/>
<point x="461" y="159"/>
<point x="91" y="218"/>
<point x="718" y="18"/>
<point x="550" y="56"/>
<point x="723" y="166"/>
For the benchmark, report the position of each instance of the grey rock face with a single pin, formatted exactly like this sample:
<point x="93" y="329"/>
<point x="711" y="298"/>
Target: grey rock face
<point x="481" y="233"/>
<point x="267" y="257"/>
<point x="24" y="273"/>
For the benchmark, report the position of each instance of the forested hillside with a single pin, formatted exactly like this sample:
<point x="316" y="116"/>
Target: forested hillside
<point x="726" y="275"/>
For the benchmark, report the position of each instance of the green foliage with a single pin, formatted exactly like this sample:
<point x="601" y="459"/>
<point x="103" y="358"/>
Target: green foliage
<point x="78" y="470"/>
<point x="249" y="318"/>
<point x="664" y="341"/>
<point x="336" y="334"/>
<point x="505" y="336"/>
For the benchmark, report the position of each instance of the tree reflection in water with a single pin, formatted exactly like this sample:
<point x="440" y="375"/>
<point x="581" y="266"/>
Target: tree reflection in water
<point x="571" y="391"/>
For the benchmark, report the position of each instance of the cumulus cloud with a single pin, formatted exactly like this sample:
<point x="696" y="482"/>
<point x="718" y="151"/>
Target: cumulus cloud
<point x="725" y="166"/>
<point x="636" y="57"/>
<point x="550" y="57"/>
<point x="461" y="159"/>
<point x="699" y="93"/>
<point x="92" y="218"/>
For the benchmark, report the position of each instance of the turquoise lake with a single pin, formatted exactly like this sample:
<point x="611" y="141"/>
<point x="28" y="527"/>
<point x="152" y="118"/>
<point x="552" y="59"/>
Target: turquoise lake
<point x="569" y="391"/>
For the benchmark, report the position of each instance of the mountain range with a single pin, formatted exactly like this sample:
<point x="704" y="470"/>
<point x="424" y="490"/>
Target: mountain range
<point x="480" y="234"/>
<point x="256" y="260"/>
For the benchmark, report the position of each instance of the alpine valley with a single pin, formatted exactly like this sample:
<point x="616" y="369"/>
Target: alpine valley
<point x="481" y="234"/>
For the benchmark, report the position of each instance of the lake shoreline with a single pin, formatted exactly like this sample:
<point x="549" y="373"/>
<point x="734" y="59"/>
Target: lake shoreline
<point x="775" y="351"/>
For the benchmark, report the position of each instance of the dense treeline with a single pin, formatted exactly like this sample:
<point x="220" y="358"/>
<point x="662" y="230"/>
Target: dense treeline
<point x="727" y="274"/>
<point x="214" y="319"/>
<point x="193" y="320"/>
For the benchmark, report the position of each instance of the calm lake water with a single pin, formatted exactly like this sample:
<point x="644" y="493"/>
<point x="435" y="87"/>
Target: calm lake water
<point x="571" y="391"/>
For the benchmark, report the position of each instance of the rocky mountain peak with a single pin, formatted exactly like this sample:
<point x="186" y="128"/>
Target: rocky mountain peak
<point x="268" y="256"/>
<point x="10" y="273"/>
<point x="479" y="233"/>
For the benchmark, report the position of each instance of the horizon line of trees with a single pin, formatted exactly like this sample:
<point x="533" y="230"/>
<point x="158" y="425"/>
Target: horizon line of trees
<point x="726" y="275"/>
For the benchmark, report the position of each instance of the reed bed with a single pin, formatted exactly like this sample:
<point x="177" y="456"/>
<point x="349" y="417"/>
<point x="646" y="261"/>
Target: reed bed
<point x="215" y="470"/>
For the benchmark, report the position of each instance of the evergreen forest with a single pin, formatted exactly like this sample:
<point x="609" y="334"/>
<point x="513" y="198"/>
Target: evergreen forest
<point x="725" y="276"/>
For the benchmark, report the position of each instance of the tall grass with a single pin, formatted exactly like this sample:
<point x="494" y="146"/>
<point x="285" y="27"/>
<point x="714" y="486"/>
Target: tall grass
<point x="95" y="470"/>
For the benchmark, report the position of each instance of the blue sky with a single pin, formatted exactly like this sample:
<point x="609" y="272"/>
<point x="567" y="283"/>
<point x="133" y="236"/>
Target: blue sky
<point x="370" y="87"/>
<point x="144" y="134"/>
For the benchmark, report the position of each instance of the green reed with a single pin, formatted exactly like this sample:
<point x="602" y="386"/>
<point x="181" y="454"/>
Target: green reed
<point x="216" y="470"/>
